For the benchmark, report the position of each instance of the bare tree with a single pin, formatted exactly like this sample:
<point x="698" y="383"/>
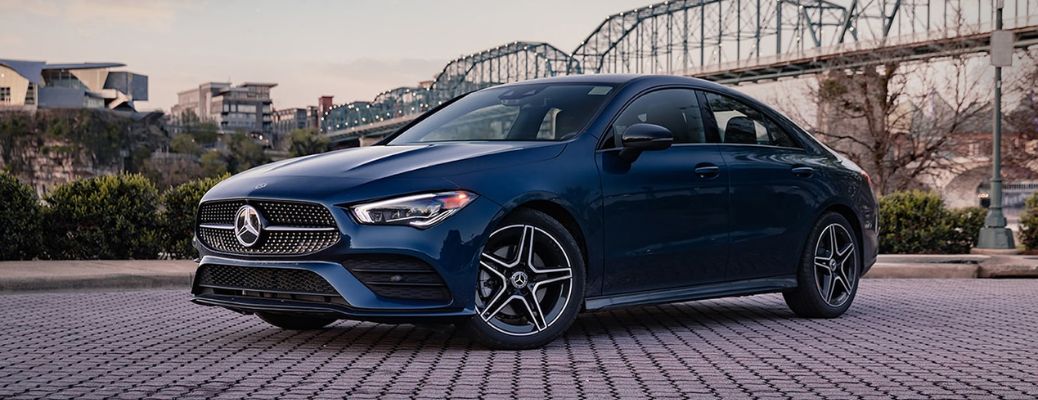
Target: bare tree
<point x="1022" y="120"/>
<point x="899" y="122"/>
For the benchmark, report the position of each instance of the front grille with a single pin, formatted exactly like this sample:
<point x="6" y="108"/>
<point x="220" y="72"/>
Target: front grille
<point x="301" y="228"/>
<point x="220" y="212"/>
<point x="398" y="277"/>
<point x="282" y="280"/>
<point x="268" y="283"/>
<point x="295" y="214"/>
<point x="275" y="243"/>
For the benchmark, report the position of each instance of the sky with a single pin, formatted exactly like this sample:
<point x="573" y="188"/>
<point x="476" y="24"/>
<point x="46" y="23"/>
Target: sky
<point x="349" y="49"/>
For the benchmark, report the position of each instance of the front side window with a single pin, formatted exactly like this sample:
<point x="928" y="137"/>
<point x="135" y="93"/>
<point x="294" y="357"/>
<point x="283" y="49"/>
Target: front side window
<point x="675" y="109"/>
<point x="5" y="95"/>
<point x="532" y="112"/>
<point x="738" y="123"/>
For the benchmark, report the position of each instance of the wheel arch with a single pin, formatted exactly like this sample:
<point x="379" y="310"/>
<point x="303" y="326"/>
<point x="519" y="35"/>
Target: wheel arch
<point x="582" y="223"/>
<point x="851" y="216"/>
<point x="559" y="213"/>
<point x="859" y="233"/>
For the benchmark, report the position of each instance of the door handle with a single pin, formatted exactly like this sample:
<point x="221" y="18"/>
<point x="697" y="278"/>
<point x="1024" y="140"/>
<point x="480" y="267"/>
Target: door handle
<point x="803" y="171"/>
<point x="707" y="170"/>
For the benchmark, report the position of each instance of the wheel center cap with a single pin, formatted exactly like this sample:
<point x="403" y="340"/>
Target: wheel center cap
<point x="520" y="279"/>
<point x="832" y="263"/>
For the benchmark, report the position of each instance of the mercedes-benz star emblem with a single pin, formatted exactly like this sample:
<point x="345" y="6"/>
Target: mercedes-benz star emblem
<point x="519" y="279"/>
<point x="247" y="226"/>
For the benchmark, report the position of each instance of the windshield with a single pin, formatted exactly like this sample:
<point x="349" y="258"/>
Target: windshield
<point x="534" y="112"/>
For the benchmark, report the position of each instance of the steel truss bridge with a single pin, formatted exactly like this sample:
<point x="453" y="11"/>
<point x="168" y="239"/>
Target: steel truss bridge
<point x="727" y="41"/>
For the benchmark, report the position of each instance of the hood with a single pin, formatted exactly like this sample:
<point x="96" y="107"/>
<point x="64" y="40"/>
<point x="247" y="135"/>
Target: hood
<point x="375" y="162"/>
<point x="351" y="168"/>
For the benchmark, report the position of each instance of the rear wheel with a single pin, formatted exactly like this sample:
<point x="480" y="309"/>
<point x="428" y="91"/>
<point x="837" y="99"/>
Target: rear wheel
<point x="295" y="322"/>
<point x="529" y="285"/>
<point x="828" y="275"/>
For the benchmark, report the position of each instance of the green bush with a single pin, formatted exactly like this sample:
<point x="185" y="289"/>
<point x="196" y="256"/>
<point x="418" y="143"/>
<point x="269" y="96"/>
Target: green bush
<point x="964" y="228"/>
<point x="911" y="222"/>
<point x="179" y="205"/>
<point x="19" y="220"/>
<point x="917" y="222"/>
<point x="1029" y="223"/>
<point x="107" y="217"/>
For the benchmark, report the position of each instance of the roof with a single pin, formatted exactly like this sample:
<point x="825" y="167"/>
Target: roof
<point x="33" y="70"/>
<point x="646" y="80"/>
<point x="84" y="65"/>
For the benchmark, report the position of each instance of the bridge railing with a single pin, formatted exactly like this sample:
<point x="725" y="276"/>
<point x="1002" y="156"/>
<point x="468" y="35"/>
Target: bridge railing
<point x="850" y="29"/>
<point x="965" y="31"/>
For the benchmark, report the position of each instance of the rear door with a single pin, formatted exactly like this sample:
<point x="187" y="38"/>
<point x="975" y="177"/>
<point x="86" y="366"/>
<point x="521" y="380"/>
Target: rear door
<point x="666" y="213"/>
<point x="775" y="188"/>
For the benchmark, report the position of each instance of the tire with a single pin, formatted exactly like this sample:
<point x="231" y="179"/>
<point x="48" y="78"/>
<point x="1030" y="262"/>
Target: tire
<point x="295" y="322"/>
<point x="526" y="302"/>
<point x="827" y="282"/>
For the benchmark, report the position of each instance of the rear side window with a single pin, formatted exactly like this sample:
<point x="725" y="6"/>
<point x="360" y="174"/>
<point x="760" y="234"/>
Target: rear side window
<point x="738" y="123"/>
<point x="675" y="109"/>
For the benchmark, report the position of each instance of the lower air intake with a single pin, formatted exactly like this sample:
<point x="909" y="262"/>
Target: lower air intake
<point x="398" y="277"/>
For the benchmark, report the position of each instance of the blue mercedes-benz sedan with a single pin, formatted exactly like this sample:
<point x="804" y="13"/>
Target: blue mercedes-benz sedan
<point x="511" y="209"/>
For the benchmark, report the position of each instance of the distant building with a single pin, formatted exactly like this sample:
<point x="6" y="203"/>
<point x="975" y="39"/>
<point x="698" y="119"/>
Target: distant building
<point x="289" y="119"/>
<point x="309" y="117"/>
<point x="246" y="107"/>
<point x="324" y="103"/>
<point x="37" y="84"/>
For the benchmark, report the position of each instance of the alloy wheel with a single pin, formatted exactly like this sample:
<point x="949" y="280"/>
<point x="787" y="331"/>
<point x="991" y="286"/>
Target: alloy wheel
<point x="835" y="265"/>
<point x="525" y="280"/>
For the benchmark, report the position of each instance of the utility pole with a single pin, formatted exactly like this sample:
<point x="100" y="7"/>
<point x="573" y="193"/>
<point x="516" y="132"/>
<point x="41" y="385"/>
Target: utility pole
<point x="995" y="235"/>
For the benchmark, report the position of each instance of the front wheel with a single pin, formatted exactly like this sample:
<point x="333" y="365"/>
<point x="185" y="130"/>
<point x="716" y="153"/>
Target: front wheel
<point x="530" y="283"/>
<point x="827" y="279"/>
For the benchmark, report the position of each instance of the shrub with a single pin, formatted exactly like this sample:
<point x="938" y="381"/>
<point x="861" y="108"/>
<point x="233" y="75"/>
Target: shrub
<point x="179" y="205"/>
<point x="911" y="222"/>
<point x="1029" y="223"/>
<point x="19" y="220"/>
<point x="917" y="222"/>
<point x="107" y="217"/>
<point x="963" y="229"/>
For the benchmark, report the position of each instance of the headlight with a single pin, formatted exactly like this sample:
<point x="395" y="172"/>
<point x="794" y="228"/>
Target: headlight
<point x="422" y="210"/>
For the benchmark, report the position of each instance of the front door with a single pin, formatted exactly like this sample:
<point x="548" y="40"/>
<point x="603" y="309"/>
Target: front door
<point x="666" y="213"/>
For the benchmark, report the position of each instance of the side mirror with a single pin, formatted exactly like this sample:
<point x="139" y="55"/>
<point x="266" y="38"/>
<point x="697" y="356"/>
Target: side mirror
<point x="644" y="137"/>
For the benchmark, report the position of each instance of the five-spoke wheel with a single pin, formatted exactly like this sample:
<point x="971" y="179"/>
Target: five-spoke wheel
<point x="835" y="267"/>
<point x="827" y="278"/>
<point x="529" y="284"/>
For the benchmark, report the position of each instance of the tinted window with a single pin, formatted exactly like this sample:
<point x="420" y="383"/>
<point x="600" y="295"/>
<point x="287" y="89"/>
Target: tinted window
<point x="674" y="109"/>
<point x="518" y="113"/>
<point x="739" y="123"/>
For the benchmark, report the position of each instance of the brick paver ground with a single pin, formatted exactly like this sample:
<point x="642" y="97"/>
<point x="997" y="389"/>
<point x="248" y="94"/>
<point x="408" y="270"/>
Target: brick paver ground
<point x="908" y="339"/>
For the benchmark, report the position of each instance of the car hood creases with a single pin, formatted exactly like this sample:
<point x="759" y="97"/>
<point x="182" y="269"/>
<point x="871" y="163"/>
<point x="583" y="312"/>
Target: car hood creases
<point x="349" y="169"/>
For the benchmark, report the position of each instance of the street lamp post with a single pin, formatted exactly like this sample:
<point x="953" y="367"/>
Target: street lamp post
<point x="994" y="235"/>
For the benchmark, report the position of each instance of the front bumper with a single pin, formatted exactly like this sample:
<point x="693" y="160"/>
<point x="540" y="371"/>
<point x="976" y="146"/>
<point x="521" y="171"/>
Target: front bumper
<point x="451" y="248"/>
<point x="252" y="305"/>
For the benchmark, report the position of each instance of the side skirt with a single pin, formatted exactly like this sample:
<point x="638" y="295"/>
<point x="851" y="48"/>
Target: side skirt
<point x="698" y="292"/>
